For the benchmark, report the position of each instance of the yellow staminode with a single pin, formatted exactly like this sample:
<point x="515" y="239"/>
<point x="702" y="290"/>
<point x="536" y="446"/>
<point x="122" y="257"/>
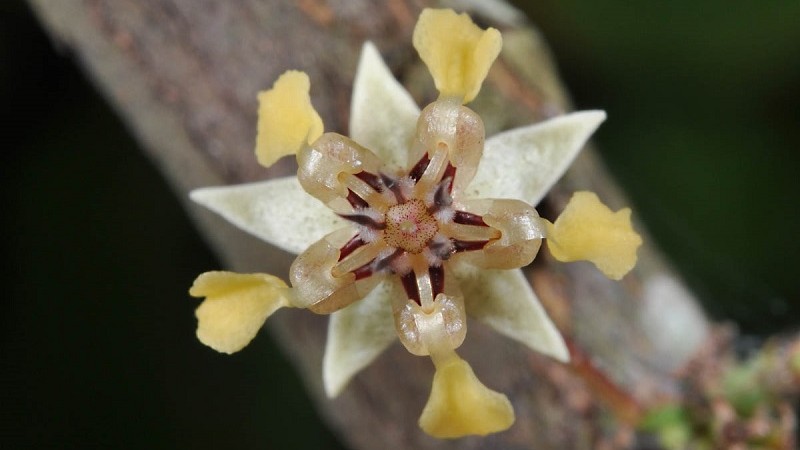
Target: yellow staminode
<point x="286" y="118"/>
<point x="457" y="52"/>
<point x="235" y="308"/>
<point x="460" y="405"/>
<point x="589" y="230"/>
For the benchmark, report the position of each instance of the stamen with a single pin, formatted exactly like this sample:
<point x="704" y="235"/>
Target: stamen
<point x="371" y="179"/>
<point x="401" y="265"/>
<point x="437" y="279"/>
<point x="383" y="263"/>
<point x="355" y="201"/>
<point x="351" y="246"/>
<point x="363" y="189"/>
<point x="409" y="281"/>
<point x="406" y="186"/>
<point x="393" y="186"/>
<point x="441" y="197"/>
<point x="364" y="255"/>
<point x="467" y="218"/>
<point x="444" y="215"/>
<point x="364" y="220"/>
<point x="468" y="246"/>
<point x="440" y="248"/>
<point x="363" y="271"/>
<point x="450" y="172"/>
<point x="416" y="172"/>
<point x="368" y="234"/>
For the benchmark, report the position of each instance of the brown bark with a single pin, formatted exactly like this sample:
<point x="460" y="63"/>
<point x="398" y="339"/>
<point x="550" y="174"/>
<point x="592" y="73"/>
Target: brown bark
<point x="184" y="74"/>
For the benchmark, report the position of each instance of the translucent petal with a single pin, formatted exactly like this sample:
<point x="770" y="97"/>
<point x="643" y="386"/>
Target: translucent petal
<point x="321" y="166"/>
<point x="382" y="113"/>
<point x="423" y="332"/>
<point x="504" y="300"/>
<point x="525" y="162"/>
<point x="460" y="405"/>
<point x="235" y="307"/>
<point x="286" y="119"/>
<point x="357" y="334"/>
<point x="521" y="233"/>
<point x="457" y="52"/>
<point x="589" y="230"/>
<point x="451" y="126"/>
<point x="316" y="287"/>
<point x="261" y="210"/>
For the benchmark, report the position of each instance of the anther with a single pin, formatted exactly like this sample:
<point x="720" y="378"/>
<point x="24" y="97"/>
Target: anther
<point x="409" y="281"/>
<point x="394" y="186"/>
<point x="441" y="198"/>
<point x="441" y="248"/>
<point x="449" y="172"/>
<point x="467" y="218"/>
<point x="364" y="220"/>
<point x="382" y="264"/>
<point x="416" y="172"/>
<point x="364" y="271"/>
<point x="352" y="245"/>
<point x="355" y="201"/>
<point x="371" y="179"/>
<point x="437" y="279"/>
<point x="468" y="246"/>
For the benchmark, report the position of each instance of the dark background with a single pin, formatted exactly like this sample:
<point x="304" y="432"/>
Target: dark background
<point x="97" y="343"/>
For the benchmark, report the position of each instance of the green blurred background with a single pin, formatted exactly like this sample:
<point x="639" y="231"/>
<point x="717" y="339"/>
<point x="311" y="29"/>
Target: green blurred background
<point x="703" y="133"/>
<point x="97" y="344"/>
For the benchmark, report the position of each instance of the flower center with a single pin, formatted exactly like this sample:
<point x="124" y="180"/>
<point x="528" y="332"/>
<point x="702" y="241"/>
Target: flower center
<point x="409" y="226"/>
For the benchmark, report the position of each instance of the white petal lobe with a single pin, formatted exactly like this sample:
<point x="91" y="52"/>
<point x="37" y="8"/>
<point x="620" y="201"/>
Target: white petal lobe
<point x="525" y="162"/>
<point x="504" y="300"/>
<point x="383" y="115"/>
<point x="356" y="336"/>
<point x="277" y="211"/>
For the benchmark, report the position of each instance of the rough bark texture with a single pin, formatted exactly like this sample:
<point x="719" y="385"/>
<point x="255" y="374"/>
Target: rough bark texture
<point x="184" y="74"/>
